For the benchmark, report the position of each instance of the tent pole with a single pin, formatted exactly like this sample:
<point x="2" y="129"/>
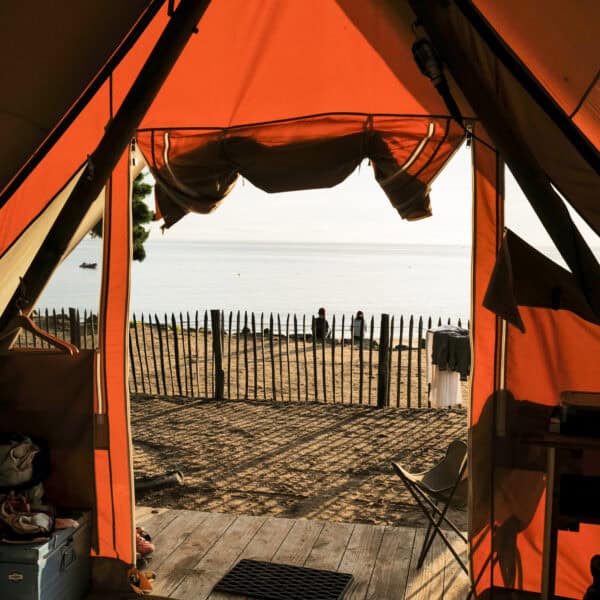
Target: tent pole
<point x="100" y="164"/>
<point x="546" y="203"/>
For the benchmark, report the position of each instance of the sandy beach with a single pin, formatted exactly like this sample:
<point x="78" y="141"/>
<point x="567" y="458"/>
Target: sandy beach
<point x="301" y="460"/>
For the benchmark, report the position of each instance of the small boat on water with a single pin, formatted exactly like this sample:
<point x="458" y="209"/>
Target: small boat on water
<point x="85" y="265"/>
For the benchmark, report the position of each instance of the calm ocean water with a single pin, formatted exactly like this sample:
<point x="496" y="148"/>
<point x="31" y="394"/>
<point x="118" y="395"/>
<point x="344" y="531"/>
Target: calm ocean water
<point x="279" y="277"/>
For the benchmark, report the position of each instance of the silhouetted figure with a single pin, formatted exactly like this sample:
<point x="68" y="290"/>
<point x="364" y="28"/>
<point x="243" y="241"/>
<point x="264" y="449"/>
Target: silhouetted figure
<point x="593" y="592"/>
<point x="358" y="327"/>
<point x="320" y="326"/>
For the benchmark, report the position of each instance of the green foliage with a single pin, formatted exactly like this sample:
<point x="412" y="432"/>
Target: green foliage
<point x="141" y="216"/>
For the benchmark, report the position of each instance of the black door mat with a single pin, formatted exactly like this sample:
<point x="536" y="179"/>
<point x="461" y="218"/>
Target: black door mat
<point x="271" y="581"/>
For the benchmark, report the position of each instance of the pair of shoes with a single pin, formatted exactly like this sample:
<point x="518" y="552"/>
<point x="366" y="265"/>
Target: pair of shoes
<point x="141" y="581"/>
<point x="143" y="547"/>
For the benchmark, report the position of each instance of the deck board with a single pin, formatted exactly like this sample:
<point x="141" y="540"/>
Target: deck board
<point x="195" y="549"/>
<point x="390" y="574"/>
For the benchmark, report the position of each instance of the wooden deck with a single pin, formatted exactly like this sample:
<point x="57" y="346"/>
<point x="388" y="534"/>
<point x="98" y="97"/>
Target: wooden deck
<point x="195" y="549"/>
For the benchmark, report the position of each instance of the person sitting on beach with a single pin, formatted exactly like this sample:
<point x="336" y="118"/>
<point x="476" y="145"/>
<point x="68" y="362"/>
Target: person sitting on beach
<point x="358" y="325"/>
<point x="320" y="326"/>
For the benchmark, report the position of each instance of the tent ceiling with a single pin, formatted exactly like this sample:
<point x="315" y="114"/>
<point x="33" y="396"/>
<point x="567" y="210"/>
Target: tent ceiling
<point x="278" y="60"/>
<point x="51" y="52"/>
<point x="569" y="71"/>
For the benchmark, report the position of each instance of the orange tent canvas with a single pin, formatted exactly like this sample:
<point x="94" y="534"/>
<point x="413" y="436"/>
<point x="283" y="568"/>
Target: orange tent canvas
<point x="265" y="90"/>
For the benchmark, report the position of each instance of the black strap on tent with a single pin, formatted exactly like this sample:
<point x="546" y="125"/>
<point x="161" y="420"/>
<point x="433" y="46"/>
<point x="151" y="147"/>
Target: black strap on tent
<point x="549" y="207"/>
<point x="530" y="83"/>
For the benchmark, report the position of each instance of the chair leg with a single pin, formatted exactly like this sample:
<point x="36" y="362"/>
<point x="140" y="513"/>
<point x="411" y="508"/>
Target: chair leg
<point x="419" y="498"/>
<point x="426" y="544"/>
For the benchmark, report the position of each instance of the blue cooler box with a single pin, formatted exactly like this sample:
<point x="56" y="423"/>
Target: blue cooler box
<point x="59" y="569"/>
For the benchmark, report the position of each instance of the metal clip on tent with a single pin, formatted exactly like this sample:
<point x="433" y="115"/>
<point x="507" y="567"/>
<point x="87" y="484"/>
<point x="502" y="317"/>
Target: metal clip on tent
<point x="22" y="321"/>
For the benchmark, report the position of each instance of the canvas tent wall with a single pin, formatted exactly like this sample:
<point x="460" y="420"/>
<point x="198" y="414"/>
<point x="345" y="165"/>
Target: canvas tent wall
<point x="277" y="82"/>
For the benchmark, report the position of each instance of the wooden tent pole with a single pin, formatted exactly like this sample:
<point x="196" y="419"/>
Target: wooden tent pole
<point x="101" y="163"/>
<point x="546" y="203"/>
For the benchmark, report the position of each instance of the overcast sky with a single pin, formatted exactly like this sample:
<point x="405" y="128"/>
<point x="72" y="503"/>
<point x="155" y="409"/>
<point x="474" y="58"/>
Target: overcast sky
<point x="357" y="211"/>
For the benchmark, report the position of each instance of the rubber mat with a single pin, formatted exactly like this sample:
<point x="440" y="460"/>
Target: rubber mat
<point x="272" y="581"/>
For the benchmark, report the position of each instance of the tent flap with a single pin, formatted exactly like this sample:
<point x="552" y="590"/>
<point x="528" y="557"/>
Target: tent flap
<point x="195" y="169"/>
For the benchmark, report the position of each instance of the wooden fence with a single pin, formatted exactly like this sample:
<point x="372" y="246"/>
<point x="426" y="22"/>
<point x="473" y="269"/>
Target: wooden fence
<point x="266" y="357"/>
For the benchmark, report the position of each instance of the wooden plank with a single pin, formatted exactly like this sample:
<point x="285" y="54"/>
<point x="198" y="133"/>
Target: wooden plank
<point x="245" y="334"/>
<point x="343" y="398"/>
<point x="155" y="522"/>
<point x="299" y="542"/>
<point x="419" y="361"/>
<point x="205" y="342"/>
<point x="184" y="370"/>
<point x="399" y="371"/>
<point x="162" y="354"/>
<point x="229" y="356"/>
<point x="324" y="365"/>
<point x="456" y="581"/>
<point x="314" y="345"/>
<point x="174" y="534"/>
<point x="93" y="329"/>
<point x="361" y="361"/>
<point x="54" y="318"/>
<point x="237" y="356"/>
<point x="428" y="581"/>
<point x="191" y="360"/>
<point x="199" y="541"/>
<point x="305" y="357"/>
<point x="254" y="357"/>
<point x="382" y="366"/>
<point x="215" y="319"/>
<point x="139" y="354"/>
<point x="333" y="358"/>
<point x="180" y="387"/>
<point x="273" y="385"/>
<point x="131" y="363"/>
<point x="145" y="344"/>
<point x="143" y="512"/>
<point x="280" y="356"/>
<point x="371" y="334"/>
<point x="352" y="360"/>
<point x="63" y="320"/>
<point x="262" y="355"/>
<point x="390" y="354"/>
<point x="390" y="574"/>
<point x="409" y="363"/>
<point x="268" y="539"/>
<point x="219" y="559"/>
<point x="196" y="328"/>
<point x="329" y="549"/>
<point x="360" y="557"/>
<point x="85" y="344"/>
<point x="152" y="347"/>
<point x="297" y="356"/>
<point x="287" y="355"/>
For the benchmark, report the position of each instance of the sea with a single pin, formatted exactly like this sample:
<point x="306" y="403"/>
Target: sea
<point x="426" y="280"/>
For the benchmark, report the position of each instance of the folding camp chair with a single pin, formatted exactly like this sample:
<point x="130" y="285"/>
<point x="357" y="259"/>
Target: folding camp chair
<point x="435" y="491"/>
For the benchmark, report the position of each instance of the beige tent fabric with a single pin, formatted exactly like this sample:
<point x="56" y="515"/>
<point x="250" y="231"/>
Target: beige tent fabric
<point x="16" y="260"/>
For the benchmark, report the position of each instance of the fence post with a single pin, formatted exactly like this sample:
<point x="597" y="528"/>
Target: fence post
<point x="383" y="373"/>
<point x="215" y="325"/>
<point x="74" y="327"/>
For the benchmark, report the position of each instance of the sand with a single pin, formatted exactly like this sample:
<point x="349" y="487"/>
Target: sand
<point x="290" y="459"/>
